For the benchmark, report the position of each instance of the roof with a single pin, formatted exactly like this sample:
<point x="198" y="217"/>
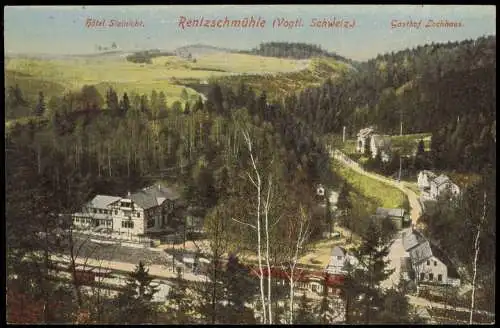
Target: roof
<point x="301" y="275"/>
<point x="421" y="252"/>
<point x="411" y="240"/>
<point x="397" y="212"/>
<point x="430" y="174"/>
<point x="382" y="142"/>
<point x="441" y="179"/>
<point x="338" y="251"/>
<point x="363" y="133"/>
<point x="153" y="196"/>
<point x="102" y="201"/>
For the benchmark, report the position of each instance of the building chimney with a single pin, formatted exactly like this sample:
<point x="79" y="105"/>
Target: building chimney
<point x="159" y="187"/>
<point x="128" y="193"/>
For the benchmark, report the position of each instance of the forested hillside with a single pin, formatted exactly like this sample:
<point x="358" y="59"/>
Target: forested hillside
<point x="295" y="50"/>
<point x="446" y="89"/>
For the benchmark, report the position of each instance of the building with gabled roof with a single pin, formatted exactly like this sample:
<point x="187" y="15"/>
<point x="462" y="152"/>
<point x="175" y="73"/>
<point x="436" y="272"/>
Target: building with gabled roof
<point x="441" y="185"/>
<point x="381" y="144"/>
<point x="428" y="262"/>
<point x="398" y="216"/>
<point x="424" y="180"/>
<point x="145" y="211"/>
<point x="362" y="137"/>
<point x="339" y="258"/>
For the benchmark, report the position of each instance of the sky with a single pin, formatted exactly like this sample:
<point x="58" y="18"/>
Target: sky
<point x="62" y="29"/>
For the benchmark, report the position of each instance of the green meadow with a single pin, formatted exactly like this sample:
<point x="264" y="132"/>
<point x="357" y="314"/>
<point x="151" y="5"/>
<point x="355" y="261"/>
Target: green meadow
<point x="55" y="76"/>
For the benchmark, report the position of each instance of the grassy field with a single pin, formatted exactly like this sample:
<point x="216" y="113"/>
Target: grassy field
<point x="57" y="75"/>
<point x="407" y="143"/>
<point x="381" y="193"/>
<point x="279" y="85"/>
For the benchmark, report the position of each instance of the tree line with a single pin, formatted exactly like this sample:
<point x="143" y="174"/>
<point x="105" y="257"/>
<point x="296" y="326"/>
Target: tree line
<point x="296" y="50"/>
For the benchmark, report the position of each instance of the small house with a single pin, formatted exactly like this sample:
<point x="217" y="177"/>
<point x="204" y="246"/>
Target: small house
<point x="443" y="185"/>
<point x="428" y="262"/>
<point x="362" y="138"/>
<point x="424" y="180"/>
<point x="398" y="216"/>
<point x="338" y="260"/>
<point x="381" y="144"/>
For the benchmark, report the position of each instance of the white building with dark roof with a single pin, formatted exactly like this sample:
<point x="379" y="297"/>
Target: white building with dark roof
<point x="427" y="262"/>
<point x="363" y="136"/>
<point x="424" y="180"/>
<point x="381" y="144"/>
<point x="441" y="185"/>
<point x="338" y="260"/>
<point x="148" y="210"/>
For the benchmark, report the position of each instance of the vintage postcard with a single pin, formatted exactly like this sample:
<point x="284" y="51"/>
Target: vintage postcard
<point x="270" y="164"/>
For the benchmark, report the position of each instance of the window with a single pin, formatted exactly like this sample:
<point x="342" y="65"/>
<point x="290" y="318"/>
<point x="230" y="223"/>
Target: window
<point x="431" y="276"/>
<point x="77" y="220"/>
<point x="138" y="214"/>
<point x="339" y="258"/>
<point x="422" y="276"/>
<point x="128" y="224"/>
<point x="100" y="211"/>
<point x="94" y="210"/>
<point x="435" y="263"/>
<point x="440" y="277"/>
<point x="428" y="262"/>
<point x="116" y="212"/>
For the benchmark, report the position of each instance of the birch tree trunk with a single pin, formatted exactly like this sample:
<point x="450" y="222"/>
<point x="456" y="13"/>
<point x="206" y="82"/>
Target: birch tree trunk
<point x="302" y="236"/>
<point x="258" y="186"/>
<point x="476" y="255"/>
<point x="266" y="215"/>
<point x="109" y="160"/>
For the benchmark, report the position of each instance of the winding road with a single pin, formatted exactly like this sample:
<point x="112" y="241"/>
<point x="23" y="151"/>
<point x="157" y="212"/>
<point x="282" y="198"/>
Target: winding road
<point x="416" y="208"/>
<point x="397" y="250"/>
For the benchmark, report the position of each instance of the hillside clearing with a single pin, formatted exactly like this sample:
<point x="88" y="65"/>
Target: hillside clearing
<point x="54" y="76"/>
<point x="383" y="194"/>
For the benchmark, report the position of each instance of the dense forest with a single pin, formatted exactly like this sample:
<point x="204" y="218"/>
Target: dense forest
<point x="83" y="143"/>
<point x="296" y="50"/>
<point x="444" y="89"/>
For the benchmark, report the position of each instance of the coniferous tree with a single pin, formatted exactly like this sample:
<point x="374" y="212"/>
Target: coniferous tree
<point x="135" y="302"/>
<point x="125" y="104"/>
<point x="372" y="257"/>
<point x="179" y="301"/>
<point x="40" y="107"/>
<point x="304" y="315"/>
<point x="240" y="289"/>
<point x="112" y="102"/>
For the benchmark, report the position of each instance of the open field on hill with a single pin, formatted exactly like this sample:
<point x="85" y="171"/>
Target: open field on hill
<point x="383" y="194"/>
<point x="57" y="75"/>
<point x="408" y="142"/>
<point x="279" y="85"/>
<point x="235" y="63"/>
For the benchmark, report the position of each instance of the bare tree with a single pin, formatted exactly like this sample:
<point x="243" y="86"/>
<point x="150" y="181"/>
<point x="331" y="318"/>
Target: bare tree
<point x="299" y="240"/>
<point x="257" y="182"/>
<point x="476" y="255"/>
<point x="263" y="208"/>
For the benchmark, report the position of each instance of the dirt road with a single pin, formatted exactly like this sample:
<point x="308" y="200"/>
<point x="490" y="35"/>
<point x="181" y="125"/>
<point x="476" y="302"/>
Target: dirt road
<point x="416" y="208"/>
